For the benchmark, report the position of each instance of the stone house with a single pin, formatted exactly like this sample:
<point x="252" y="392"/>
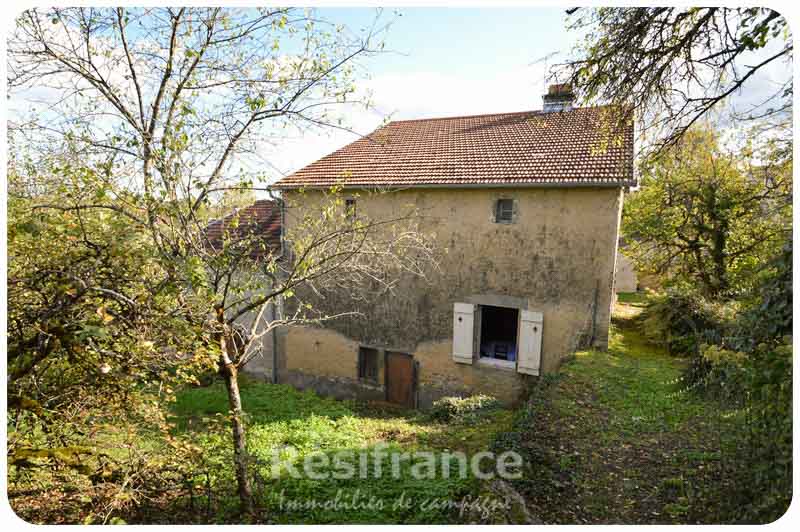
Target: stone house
<point x="626" y="279"/>
<point x="527" y="205"/>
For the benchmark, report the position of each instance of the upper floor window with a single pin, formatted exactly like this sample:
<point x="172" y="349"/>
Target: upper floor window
<point x="504" y="211"/>
<point x="350" y="209"/>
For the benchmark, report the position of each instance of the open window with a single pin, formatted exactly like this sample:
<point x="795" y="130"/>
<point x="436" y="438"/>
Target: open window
<point x="499" y="333"/>
<point x="505" y="337"/>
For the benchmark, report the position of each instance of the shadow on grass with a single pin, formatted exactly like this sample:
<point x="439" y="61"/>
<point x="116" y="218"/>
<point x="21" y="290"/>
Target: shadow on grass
<point x="614" y="436"/>
<point x="284" y="423"/>
<point x="345" y="485"/>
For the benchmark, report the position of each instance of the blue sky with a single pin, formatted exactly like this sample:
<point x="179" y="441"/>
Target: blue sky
<point x="463" y="61"/>
<point x="442" y="62"/>
<point x="437" y="62"/>
<point x="460" y="40"/>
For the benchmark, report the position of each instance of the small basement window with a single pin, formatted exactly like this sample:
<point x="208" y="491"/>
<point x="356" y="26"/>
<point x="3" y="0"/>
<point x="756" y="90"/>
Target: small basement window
<point x="499" y="333"/>
<point x="504" y="211"/>
<point x="368" y="364"/>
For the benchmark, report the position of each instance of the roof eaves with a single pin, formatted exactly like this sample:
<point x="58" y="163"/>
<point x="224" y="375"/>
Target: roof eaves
<point x="561" y="183"/>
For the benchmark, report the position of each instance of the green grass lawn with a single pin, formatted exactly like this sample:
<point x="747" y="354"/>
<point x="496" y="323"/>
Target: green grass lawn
<point x="615" y="438"/>
<point x="301" y="423"/>
<point x="612" y="438"/>
<point x="632" y="298"/>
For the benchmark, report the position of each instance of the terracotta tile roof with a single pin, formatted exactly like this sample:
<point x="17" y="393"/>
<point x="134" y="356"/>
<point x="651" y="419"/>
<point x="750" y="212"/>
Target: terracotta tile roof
<point x="570" y="148"/>
<point x="263" y="218"/>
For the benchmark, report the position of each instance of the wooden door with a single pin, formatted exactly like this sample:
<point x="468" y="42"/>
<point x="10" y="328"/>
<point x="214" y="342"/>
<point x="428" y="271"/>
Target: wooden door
<point x="400" y="381"/>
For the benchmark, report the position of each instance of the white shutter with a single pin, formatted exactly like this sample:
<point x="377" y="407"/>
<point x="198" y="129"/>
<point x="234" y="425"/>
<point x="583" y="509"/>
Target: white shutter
<point x="530" y="342"/>
<point x="463" y="332"/>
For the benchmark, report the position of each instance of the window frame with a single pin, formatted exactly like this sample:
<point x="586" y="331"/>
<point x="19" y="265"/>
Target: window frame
<point x="510" y="210"/>
<point x="362" y="368"/>
<point x="526" y="361"/>
<point x="350" y="206"/>
<point x="489" y="360"/>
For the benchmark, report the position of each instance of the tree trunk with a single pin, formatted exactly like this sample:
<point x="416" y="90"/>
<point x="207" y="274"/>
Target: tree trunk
<point x="718" y="254"/>
<point x="231" y="375"/>
<point x="718" y="231"/>
<point x="706" y="282"/>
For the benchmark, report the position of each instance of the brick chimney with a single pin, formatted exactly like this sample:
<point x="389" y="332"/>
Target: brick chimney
<point x="559" y="97"/>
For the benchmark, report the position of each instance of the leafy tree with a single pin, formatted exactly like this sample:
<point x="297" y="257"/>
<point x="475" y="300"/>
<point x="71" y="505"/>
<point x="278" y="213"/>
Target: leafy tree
<point x="94" y="331"/>
<point x="671" y="66"/>
<point x="161" y="104"/>
<point x="708" y="216"/>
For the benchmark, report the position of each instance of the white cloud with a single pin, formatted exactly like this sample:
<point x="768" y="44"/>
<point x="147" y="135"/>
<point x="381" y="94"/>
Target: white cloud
<point x="430" y="94"/>
<point x="411" y="96"/>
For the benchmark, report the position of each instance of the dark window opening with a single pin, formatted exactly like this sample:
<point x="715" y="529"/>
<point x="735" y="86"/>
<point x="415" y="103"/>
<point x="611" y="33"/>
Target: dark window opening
<point x="368" y="364"/>
<point x="350" y="209"/>
<point x="499" y="332"/>
<point x="504" y="211"/>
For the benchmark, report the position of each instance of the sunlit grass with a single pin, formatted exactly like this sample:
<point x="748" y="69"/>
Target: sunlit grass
<point x="281" y="418"/>
<point x="619" y="435"/>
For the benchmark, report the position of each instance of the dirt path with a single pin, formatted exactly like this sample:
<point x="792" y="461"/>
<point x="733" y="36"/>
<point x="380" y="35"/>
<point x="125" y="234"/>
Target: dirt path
<point x="613" y="438"/>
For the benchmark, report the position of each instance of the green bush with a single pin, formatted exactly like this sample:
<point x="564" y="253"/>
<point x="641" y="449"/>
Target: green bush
<point x="756" y="386"/>
<point x="463" y="409"/>
<point x="745" y="362"/>
<point x="735" y="344"/>
<point x="764" y="386"/>
<point x="682" y="321"/>
<point x="766" y="317"/>
<point x="719" y="372"/>
<point x="766" y="453"/>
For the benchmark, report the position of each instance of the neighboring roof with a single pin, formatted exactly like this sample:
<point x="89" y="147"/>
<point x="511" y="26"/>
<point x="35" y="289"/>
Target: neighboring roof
<point x="261" y="219"/>
<point x="569" y="148"/>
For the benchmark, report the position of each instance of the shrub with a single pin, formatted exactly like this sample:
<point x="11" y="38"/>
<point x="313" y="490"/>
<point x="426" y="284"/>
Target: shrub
<point x="767" y="316"/>
<point x="719" y="372"/>
<point x="757" y="385"/>
<point x="682" y="321"/>
<point x="463" y="409"/>
<point x="764" y="447"/>
<point x="746" y="363"/>
<point x="729" y="341"/>
<point x="766" y="456"/>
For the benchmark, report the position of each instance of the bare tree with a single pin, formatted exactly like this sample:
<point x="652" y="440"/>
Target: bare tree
<point x="672" y="66"/>
<point x="164" y="103"/>
<point x="329" y="252"/>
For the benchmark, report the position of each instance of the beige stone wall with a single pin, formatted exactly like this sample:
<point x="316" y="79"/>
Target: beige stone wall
<point x="439" y="375"/>
<point x="332" y="358"/>
<point x="261" y="364"/>
<point x="557" y="257"/>
<point x="321" y="352"/>
<point x="626" y="280"/>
